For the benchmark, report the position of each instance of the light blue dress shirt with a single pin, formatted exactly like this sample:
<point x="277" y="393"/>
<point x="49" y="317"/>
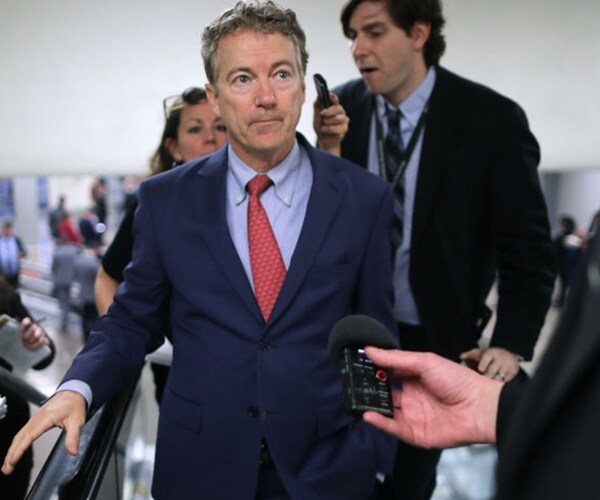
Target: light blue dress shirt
<point x="285" y="202"/>
<point x="405" y="309"/>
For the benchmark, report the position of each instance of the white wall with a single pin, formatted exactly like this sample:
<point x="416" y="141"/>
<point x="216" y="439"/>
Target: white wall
<point x="579" y="195"/>
<point x="82" y="81"/>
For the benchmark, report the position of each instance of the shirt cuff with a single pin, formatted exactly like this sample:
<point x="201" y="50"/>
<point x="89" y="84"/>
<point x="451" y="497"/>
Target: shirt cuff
<point x="78" y="386"/>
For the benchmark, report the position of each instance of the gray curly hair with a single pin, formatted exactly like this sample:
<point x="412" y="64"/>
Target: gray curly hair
<point x="259" y="16"/>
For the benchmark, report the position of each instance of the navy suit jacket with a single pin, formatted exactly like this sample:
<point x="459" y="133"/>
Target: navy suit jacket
<point x="478" y="208"/>
<point x="235" y="379"/>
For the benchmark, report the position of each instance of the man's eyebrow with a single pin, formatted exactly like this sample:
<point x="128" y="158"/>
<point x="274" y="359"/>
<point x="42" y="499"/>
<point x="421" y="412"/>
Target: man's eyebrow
<point x="247" y="69"/>
<point x="372" y="25"/>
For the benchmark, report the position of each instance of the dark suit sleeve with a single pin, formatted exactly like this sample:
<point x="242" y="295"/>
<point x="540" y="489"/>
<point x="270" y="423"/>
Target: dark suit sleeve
<point x="136" y="320"/>
<point x="509" y="399"/>
<point x="521" y="233"/>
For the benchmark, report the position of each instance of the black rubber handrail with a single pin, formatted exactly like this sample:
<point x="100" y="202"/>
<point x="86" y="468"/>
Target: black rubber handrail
<point x="16" y="384"/>
<point x="76" y="478"/>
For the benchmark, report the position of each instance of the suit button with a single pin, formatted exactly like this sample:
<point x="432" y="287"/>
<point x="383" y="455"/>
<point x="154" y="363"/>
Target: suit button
<point x="265" y="345"/>
<point x="253" y="411"/>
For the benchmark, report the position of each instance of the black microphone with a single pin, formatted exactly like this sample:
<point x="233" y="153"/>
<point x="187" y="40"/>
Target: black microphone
<point x="366" y="386"/>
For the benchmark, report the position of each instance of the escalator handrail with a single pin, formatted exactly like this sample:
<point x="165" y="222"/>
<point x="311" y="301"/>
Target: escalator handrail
<point x="81" y="477"/>
<point x="10" y="381"/>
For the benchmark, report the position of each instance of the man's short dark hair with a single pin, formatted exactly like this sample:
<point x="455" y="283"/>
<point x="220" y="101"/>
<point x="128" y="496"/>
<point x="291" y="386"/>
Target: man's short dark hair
<point x="405" y="13"/>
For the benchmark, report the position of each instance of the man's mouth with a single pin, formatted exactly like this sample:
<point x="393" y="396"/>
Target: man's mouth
<point x="367" y="70"/>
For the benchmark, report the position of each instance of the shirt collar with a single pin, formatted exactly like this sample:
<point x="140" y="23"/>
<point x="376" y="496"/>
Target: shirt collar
<point x="413" y="105"/>
<point x="283" y="175"/>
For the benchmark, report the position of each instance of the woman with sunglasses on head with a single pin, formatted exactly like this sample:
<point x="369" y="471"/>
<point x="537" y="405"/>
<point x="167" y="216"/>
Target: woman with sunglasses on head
<point x="192" y="129"/>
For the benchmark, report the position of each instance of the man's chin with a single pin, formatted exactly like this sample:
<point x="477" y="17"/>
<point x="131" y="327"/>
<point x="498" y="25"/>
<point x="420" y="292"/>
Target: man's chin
<point x="373" y="81"/>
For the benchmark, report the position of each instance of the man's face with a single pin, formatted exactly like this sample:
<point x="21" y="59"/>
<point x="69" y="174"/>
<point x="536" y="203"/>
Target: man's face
<point x="259" y="93"/>
<point x="390" y="61"/>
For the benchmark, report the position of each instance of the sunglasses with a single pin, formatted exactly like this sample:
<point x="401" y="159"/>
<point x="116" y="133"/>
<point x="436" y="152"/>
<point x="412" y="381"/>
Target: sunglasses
<point x="192" y="95"/>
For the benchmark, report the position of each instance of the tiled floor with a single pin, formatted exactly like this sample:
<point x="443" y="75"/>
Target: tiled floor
<point x="463" y="474"/>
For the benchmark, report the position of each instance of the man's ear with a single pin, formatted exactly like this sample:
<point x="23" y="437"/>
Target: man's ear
<point x="420" y="34"/>
<point x="213" y="98"/>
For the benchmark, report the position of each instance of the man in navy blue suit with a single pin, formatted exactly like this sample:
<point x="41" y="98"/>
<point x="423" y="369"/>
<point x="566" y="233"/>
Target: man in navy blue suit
<point x="253" y="407"/>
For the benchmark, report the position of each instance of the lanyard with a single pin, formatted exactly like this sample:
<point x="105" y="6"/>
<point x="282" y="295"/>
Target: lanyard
<point x="406" y="154"/>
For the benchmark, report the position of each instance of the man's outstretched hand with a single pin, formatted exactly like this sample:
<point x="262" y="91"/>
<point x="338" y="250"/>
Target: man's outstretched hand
<point x="66" y="409"/>
<point x="441" y="404"/>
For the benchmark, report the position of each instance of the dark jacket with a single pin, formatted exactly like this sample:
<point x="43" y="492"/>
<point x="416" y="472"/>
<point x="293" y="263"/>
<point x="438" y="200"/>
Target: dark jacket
<point x="478" y="209"/>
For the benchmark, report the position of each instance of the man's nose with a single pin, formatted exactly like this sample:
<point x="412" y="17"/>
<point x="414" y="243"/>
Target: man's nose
<point x="265" y="94"/>
<point x="358" y="47"/>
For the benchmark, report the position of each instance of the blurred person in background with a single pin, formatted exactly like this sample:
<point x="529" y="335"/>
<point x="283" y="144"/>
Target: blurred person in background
<point x="568" y="247"/>
<point x="63" y="261"/>
<point x="56" y="216"/>
<point x="98" y="193"/>
<point x="91" y="228"/>
<point x="12" y="251"/>
<point x="192" y="129"/>
<point x="85" y="268"/>
<point x="15" y="486"/>
<point x="67" y="230"/>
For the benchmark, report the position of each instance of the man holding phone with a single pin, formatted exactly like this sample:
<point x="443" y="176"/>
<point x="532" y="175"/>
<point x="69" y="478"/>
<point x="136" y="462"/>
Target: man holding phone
<point x="463" y="162"/>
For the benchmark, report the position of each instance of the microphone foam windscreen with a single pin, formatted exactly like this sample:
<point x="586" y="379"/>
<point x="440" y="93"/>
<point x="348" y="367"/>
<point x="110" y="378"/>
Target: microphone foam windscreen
<point x="359" y="330"/>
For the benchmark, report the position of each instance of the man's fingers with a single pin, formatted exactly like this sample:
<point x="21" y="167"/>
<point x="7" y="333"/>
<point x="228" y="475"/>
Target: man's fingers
<point x="386" y="424"/>
<point x="473" y="354"/>
<point x="23" y="440"/>
<point x="72" y="440"/>
<point x="66" y="410"/>
<point x="73" y="428"/>
<point x="405" y="362"/>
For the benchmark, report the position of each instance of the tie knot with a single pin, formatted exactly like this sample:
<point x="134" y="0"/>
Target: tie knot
<point x="258" y="184"/>
<point x="393" y="117"/>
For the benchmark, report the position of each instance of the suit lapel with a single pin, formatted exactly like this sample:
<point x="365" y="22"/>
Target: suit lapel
<point x="436" y="152"/>
<point x="209" y="197"/>
<point x="326" y="195"/>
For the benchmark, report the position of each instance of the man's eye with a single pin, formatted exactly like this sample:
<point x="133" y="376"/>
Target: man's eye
<point x="243" y="79"/>
<point x="282" y="74"/>
<point x="221" y="128"/>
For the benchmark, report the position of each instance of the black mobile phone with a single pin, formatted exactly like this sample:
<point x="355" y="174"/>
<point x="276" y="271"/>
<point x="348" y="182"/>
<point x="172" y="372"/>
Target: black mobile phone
<point x="322" y="90"/>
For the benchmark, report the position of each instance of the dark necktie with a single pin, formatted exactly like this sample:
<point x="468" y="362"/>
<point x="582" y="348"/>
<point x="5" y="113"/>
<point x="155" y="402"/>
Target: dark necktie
<point x="393" y="158"/>
<point x="268" y="269"/>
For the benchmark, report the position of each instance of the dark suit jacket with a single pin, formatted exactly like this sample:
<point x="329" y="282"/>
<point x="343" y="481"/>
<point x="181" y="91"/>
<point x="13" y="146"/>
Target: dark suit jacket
<point x="478" y="201"/>
<point x="548" y="430"/>
<point x="234" y="379"/>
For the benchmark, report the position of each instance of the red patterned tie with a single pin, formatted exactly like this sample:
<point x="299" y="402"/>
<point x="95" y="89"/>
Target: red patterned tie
<point x="268" y="269"/>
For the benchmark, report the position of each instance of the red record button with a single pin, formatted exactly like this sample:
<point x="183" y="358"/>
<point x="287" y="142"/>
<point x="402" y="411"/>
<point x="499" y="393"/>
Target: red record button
<point x="381" y="375"/>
